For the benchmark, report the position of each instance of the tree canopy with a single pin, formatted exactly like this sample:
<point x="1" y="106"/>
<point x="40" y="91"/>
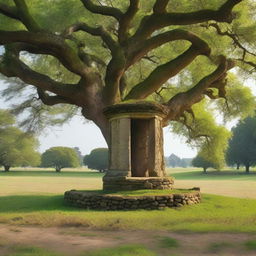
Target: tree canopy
<point x="200" y="161"/>
<point x="79" y="154"/>
<point x="60" y="157"/>
<point x="177" y="53"/>
<point x="97" y="159"/>
<point x="242" y="145"/>
<point x="16" y="147"/>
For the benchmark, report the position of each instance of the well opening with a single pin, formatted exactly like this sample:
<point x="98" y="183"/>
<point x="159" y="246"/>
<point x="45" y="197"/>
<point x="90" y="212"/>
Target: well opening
<point x="140" y="147"/>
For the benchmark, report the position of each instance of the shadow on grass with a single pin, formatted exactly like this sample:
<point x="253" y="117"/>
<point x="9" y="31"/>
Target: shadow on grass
<point x="15" y="173"/>
<point x="30" y="203"/>
<point x="214" y="175"/>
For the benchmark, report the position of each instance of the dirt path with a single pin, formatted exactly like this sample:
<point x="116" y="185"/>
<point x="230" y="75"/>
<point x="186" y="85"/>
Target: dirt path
<point x="72" y="241"/>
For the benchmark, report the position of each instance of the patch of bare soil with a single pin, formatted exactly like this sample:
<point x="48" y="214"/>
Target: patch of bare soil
<point x="75" y="240"/>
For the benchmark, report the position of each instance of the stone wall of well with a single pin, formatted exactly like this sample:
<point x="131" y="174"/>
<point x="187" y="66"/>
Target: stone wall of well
<point x="118" y="202"/>
<point x="135" y="183"/>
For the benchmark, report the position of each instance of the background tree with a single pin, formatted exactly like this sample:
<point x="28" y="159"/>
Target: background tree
<point x="97" y="159"/>
<point x="60" y="157"/>
<point x="79" y="154"/>
<point x="211" y="139"/>
<point x="242" y="146"/>
<point x="16" y="147"/>
<point x="173" y="160"/>
<point x="132" y="53"/>
<point x="200" y="161"/>
<point x="233" y="151"/>
<point x="185" y="162"/>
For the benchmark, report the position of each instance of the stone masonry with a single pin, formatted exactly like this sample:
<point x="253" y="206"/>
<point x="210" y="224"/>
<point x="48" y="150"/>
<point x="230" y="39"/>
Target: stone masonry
<point x="136" y="147"/>
<point x="119" y="202"/>
<point x="135" y="183"/>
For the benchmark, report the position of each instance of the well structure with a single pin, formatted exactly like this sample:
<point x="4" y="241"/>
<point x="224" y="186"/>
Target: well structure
<point x="136" y="159"/>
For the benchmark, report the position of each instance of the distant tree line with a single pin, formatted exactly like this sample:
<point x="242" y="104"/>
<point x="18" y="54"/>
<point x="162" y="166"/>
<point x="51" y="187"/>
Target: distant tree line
<point x="175" y="161"/>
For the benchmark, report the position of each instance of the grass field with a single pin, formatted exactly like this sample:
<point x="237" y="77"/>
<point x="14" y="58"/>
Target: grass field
<point x="36" y="197"/>
<point x="230" y="182"/>
<point x="37" y="181"/>
<point x="31" y="201"/>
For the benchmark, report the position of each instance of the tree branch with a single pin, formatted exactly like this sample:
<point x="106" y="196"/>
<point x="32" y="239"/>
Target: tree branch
<point x="52" y="100"/>
<point x="126" y="20"/>
<point x="184" y="101"/>
<point x="103" y="10"/>
<point x="116" y="66"/>
<point x="25" y="16"/>
<point x="12" y="66"/>
<point x="9" y="11"/>
<point x="233" y="36"/>
<point x="177" y="34"/>
<point x="161" y="74"/>
<point x="156" y="21"/>
<point x="250" y="63"/>
<point x="99" y="31"/>
<point x="160" y="6"/>
<point x="52" y="44"/>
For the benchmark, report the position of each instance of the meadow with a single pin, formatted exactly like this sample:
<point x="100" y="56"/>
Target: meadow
<point x="34" y="198"/>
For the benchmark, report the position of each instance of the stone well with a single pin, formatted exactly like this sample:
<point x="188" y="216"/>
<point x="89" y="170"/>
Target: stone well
<point x="136" y="147"/>
<point x="110" y="202"/>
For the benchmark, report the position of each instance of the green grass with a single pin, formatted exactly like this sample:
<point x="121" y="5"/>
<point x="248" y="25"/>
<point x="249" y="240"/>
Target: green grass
<point x="36" y="197"/>
<point x="197" y="174"/>
<point x="125" y="250"/>
<point x="250" y="245"/>
<point x="168" y="242"/>
<point x="82" y="173"/>
<point x="39" y="181"/>
<point x="20" y="250"/>
<point x="215" y="213"/>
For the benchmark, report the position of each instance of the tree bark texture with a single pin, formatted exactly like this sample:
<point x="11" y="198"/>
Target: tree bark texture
<point x="7" y="168"/>
<point x="247" y="168"/>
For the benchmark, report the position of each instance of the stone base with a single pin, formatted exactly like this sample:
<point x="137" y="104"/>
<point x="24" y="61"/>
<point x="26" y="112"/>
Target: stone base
<point x="87" y="200"/>
<point x="134" y="183"/>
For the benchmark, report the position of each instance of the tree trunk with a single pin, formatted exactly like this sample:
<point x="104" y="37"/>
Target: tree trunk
<point x="237" y="166"/>
<point x="247" y="168"/>
<point x="7" y="168"/>
<point x="204" y="169"/>
<point x="57" y="168"/>
<point x="95" y="114"/>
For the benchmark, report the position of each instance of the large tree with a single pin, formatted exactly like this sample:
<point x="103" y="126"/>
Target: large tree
<point x="97" y="159"/>
<point x="60" y="157"/>
<point x="16" y="147"/>
<point x="200" y="161"/>
<point x="105" y="52"/>
<point x="242" y="145"/>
